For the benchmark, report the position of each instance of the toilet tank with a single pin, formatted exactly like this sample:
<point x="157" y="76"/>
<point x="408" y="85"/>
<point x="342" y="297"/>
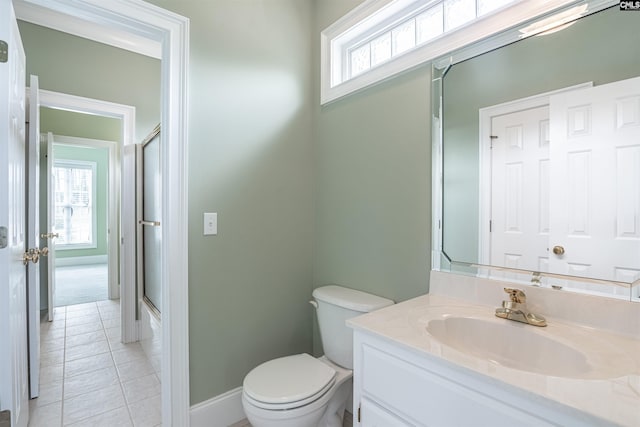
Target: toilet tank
<point x="336" y="304"/>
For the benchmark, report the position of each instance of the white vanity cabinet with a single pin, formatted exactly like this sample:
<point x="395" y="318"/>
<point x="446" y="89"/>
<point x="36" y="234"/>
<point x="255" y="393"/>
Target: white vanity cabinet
<point x="397" y="386"/>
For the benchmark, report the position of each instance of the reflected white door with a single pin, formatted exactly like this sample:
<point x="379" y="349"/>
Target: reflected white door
<point x="51" y="217"/>
<point x="14" y="385"/>
<point x="595" y="181"/>
<point x="519" y="189"/>
<point x="33" y="233"/>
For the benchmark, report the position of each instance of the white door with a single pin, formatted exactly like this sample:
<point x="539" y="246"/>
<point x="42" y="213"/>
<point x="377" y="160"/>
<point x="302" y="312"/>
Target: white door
<point x="51" y="206"/>
<point x="14" y="385"/>
<point x="33" y="233"/>
<point x="596" y="158"/>
<point x="519" y="189"/>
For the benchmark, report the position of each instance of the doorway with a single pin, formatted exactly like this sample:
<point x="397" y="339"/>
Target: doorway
<point x="85" y="219"/>
<point x="170" y="31"/>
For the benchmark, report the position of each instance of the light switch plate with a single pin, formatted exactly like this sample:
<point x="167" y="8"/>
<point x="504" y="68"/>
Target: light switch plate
<point x="210" y="224"/>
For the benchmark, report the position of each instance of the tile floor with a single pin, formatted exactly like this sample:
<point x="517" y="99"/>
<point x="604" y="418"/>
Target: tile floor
<point x="88" y="377"/>
<point x="346" y="422"/>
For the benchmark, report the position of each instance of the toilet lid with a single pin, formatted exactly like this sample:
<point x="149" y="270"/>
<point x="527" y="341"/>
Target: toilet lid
<point x="288" y="380"/>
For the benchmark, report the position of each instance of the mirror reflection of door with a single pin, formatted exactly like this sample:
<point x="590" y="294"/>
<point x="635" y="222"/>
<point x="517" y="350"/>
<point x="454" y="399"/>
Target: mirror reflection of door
<point x="564" y="182"/>
<point x="150" y="221"/>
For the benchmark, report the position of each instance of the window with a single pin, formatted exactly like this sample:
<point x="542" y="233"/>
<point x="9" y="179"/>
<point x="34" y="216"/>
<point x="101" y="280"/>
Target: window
<point x="381" y="38"/>
<point x="74" y="184"/>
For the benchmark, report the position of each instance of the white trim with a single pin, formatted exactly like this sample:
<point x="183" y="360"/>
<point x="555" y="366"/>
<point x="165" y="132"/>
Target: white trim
<point x="114" y="197"/>
<point x="35" y="14"/>
<point x="484" y="182"/>
<point x="127" y="115"/>
<point x="97" y="107"/>
<point x="93" y="167"/>
<point x="219" y="411"/>
<point x="333" y="38"/>
<point x="155" y="23"/>
<point x="114" y="201"/>
<point x="81" y="260"/>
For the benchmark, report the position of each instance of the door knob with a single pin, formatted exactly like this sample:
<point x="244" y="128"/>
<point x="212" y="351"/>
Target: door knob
<point x="49" y="235"/>
<point x="32" y="255"/>
<point x="558" y="250"/>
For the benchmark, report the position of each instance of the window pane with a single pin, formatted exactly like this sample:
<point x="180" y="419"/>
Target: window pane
<point x="429" y="24"/>
<point x="381" y="49"/>
<point x="458" y="12"/>
<point x="360" y="59"/>
<point x="486" y="6"/>
<point x="73" y="196"/>
<point x="403" y="37"/>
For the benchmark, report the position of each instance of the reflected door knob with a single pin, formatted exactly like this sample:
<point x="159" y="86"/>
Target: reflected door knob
<point x="558" y="250"/>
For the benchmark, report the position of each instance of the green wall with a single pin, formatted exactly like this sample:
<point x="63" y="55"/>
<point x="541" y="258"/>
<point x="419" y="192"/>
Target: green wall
<point x="101" y="157"/>
<point x="251" y="162"/>
<point x="372" y="178"/>
<point x="528" y="67"/>
<point x="305" y="195"/>
<point x="77" y="66"/>
<point x="68" y="123"/>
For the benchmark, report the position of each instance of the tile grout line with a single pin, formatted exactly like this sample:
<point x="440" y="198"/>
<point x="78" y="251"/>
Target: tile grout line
<point x="124" y="396"/>
<point x="111" y="354"/>
<point x="64" y="366"/>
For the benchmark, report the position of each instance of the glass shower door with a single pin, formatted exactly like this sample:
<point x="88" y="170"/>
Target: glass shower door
<point x="151" y="231"/>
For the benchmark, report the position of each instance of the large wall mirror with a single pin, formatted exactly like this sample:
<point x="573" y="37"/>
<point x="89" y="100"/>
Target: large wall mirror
<point x="537" y="144"/>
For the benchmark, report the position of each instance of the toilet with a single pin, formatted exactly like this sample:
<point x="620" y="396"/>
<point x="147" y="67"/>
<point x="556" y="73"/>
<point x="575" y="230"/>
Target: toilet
<point x="300" y="390"/>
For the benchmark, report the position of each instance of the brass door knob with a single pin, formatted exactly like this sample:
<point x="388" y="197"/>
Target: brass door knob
<point x="49" y="235"/>
<point x="558" y="250"/>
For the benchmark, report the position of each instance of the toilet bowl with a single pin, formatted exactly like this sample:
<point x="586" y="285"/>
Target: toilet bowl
<point x="296" y="391"/>
<point x="300" y="390"/>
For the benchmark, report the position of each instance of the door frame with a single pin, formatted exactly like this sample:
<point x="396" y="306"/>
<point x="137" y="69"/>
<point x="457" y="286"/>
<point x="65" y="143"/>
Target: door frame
<point x="172" y="31"/>
<point x="113" y="202"/>
<point x="127" y="116"/>
<point x="486" y="115"/>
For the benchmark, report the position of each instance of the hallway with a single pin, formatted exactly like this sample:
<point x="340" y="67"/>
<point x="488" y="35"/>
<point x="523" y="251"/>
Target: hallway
<point x="88" y="377"/>
<point x="78" y="284"/>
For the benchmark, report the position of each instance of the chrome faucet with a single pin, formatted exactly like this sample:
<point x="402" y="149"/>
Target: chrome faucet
<point x="516" y="309"/>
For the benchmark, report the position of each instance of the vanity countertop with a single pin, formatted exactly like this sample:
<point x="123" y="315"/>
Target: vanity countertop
<point x="609" y="390"/>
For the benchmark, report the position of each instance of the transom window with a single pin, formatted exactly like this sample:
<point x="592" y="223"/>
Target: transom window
<point x="424" y="23"/>
<point x="75" y="212"/>
<point x="381" y="38"/>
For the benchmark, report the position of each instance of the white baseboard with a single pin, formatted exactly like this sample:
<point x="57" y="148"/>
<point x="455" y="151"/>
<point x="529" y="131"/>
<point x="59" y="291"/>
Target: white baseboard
<point x="219" y="411"/>
<point x="82" y="260"/>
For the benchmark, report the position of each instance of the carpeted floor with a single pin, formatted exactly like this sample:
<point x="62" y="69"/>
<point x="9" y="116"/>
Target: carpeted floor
<point x="81" y="284"/>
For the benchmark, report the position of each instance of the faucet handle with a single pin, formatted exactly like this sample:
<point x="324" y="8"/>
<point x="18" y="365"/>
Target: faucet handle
<point x="516" y="295"/>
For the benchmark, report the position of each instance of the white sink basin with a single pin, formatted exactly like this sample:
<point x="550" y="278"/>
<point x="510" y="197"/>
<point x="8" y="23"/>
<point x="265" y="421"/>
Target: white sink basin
<point x="507" y="343"/>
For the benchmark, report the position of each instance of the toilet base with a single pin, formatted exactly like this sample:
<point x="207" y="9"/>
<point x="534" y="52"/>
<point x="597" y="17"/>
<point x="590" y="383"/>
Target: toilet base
<point x="327" y="411"/>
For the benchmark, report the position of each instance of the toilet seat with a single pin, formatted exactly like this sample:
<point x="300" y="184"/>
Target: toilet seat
<point x="288" y="382"/>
